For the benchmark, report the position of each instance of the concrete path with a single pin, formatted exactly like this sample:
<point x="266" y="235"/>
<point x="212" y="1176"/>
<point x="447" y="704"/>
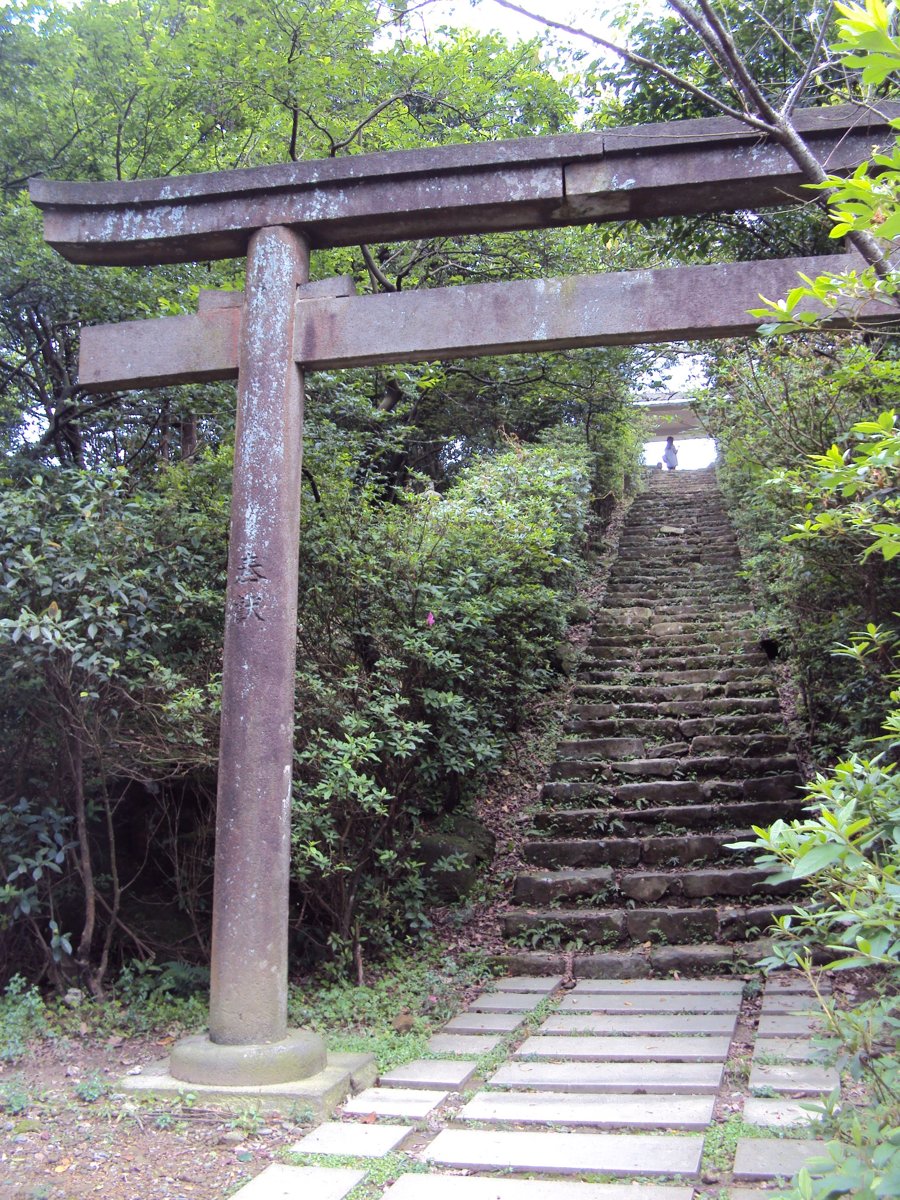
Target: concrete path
<point x="641" y="1089"/>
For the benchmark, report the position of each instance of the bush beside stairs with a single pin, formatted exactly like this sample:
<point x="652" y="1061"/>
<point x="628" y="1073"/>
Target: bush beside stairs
<point x="676" y="747"/>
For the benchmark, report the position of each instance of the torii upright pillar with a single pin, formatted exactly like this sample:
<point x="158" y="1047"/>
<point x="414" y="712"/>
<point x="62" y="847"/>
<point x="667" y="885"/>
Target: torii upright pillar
<point x="248" y="1040"/>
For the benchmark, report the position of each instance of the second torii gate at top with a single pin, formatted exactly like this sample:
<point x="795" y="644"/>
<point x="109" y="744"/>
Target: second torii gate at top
<point x="282" y="325"/>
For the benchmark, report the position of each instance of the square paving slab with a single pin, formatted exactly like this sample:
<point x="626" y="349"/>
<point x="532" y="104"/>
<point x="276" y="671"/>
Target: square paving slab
<point x="794" y="981"/>
<point x="471" y="1022"/>
<point x="774" y="1025"/>
<point x="795" y="1079"/>
<point x="793" y="1049"/>
<point x="562" y="1108"/>
<point x="648" y="1003"/>
<point x="506" y="1002"/>
<point x="413" y="1103"/>
<point x="684" y="1078"/>
<point x="478" y="1187"/>
<point x="567" y="1153"/>
<point x="777" y="1113"/>
<point x="790" y="1003"/>
<point x="626" y="1049"/>
<point x="430" y="1073"/>
<point x="772" y="1158"/>
<point x="543" y="984"/>
<point x="471" y="1045"/>
<point x="349" y="1137"/>
<point x="643" y="1024"/>
<point x="666" y="987"/>
<point x="278" y="1182"/>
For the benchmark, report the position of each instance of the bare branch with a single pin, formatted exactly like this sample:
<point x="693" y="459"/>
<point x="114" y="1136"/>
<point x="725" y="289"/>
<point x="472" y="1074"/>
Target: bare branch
<point x="810" y="68"/>
<point x="649" y="64"/>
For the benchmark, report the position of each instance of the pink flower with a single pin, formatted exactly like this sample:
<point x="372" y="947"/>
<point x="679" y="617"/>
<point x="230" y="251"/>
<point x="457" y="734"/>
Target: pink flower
<point x="429" y="620"/>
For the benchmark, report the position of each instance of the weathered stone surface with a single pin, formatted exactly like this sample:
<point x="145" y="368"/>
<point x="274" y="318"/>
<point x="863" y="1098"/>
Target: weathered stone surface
<point x="506" y="1002"/>
<point x="626" y="1049"/>
<point x="413" y="1103"/>
<point x="279" y="1182"/>
<point x="348" y="1137"/>
<point x="528" y="983"/>
<point x="794" y="981"/>
<point x="648" y="1002"/>
<point x="793" y="1049"/>
<point x="772" y="1158"/>
<point x="667" y="1077"/>
<point x="794" y="1079"/>
<point x="647" y="1025"/>
<point x="479" y="1187"/>
<point x="777" y="1113"/>
<point x="612" y="747"/>
<point x="776" y="1025"/>
<point x="469" y="1045"/>
<point x="568" y="1153"/>
<point x="432" y="1073"/>
<point x="790" y="1004"/>
<point x="563" y="1108"/>
<point x="667" y="987"/>
<point x="626" y="964"/>
<point x="548" y="886"/>
<point x="484" y="1023"/>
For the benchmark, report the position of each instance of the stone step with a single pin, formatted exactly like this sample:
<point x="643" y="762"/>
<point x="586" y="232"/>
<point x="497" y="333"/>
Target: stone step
<point x="565" y="1153"/>
<point x="636" y="664"/>
<point x="661" y="794"/>
<point x="693" y="766"/>
<point x="670" y="1078"/>
<point x="597" y="1048"/>
<point x="613" y="927"/>
<point x="669" y="728"/>
<point x="612" y="693"/>
<point x="713" y="637"/>
<point x="657" y="676"/>
<point x="565" y="826"/>
<point x="721" y="706"/>
<point x="751" y="744"/>
<point x="643" y="962"/>
<point x="599" y="1110"/>
<point x="559" y="882"/>
<point x="484" y="1187"/>
<point x="652" y="850"/>
<point x="587" y="999"/>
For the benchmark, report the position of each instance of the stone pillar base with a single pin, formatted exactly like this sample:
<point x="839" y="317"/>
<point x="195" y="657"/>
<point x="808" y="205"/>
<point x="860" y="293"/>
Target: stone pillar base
<point x="315" y="1097"/>
<point x="199" y="1060"/>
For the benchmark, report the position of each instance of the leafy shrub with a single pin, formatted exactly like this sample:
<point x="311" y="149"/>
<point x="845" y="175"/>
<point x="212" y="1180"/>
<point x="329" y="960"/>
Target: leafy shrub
<point x="22" y="1016"/>
<point x="444" y="611"/>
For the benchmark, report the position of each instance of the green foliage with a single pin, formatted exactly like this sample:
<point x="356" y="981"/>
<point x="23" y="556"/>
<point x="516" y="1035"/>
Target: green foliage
<point x="444" y="610"/>
<point x="424" y="987"/>
<point x="849" y="851"/>
<point x="15" y="1098"/>
<point x="865" y="202"/>
<point x="774" y="406"/>
<point x="856" y="490"/>
<point x="22" y="1016"/>
<point x="92" y="1088"/>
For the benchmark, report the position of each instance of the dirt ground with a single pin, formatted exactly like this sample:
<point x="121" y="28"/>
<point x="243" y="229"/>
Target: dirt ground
<point x="66" y="1145"/>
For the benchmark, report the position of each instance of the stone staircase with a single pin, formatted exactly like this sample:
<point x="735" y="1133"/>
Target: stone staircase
<point x="675" y="748"/>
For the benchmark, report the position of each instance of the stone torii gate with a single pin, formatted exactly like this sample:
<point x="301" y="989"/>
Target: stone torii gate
<point x="282" y="325"/>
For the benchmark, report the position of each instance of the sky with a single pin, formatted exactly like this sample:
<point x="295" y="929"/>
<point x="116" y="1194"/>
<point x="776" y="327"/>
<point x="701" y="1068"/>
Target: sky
<point x="486" y="15"/>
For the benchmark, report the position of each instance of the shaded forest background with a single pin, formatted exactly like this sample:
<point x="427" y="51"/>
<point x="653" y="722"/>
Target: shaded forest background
<point x="450" y="512"/>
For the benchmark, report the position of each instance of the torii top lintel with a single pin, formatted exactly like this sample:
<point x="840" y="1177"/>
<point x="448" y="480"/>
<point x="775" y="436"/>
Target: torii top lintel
<point x="667" y="169"/>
